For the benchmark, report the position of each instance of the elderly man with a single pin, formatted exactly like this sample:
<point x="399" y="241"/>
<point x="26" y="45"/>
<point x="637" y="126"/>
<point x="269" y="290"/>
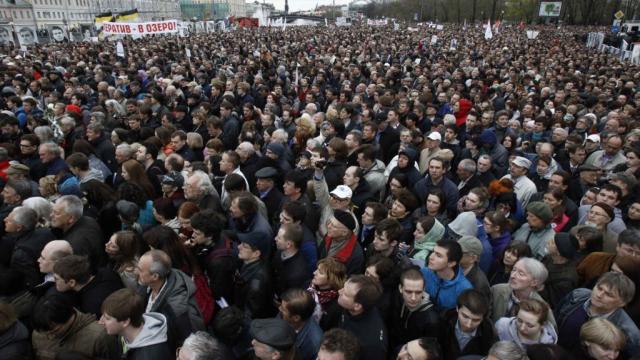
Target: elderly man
<point x="467" y="178"/>
<point x="341" y="242"/>
<point x="52" y="252"/>
<point x="82" y="232"/>
<point x="29" y="242"/>
<point x="248" y="162"/>
<point x="201" y="345"/>
<point x="522" y="185"/>
<point x="339" y="198"/>
<point x="198" y="189"/>
<point x="13" y="194"/>
<point x="272" y="339"/>
<point x="51" y="157"/>
<point x="170" y="292"/>
<point x="611" y="155"/>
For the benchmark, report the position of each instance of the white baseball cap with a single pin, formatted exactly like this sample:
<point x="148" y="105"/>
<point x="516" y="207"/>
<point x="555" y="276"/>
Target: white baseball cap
<point x="343" y="192"/>
<point x="435" y="136"/>
<point x="594" y="138"/>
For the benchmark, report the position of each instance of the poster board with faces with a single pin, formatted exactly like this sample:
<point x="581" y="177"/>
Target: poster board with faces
<point x="27" y="35"/>
<point x="6" y="35"/>
<point x="57" y="33"/>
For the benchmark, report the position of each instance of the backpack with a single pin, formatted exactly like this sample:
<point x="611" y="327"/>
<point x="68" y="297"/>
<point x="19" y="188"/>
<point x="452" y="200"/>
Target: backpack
<point x="204" y="297"/>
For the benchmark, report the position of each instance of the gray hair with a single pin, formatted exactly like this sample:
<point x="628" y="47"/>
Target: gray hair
<point x="486" y="157"/>
<point x="44" y="133"/>
<point x="507" y="350"/>
<point x="51" y="148"/>
<point x="203" y="346"/>
<point x="95" y="127"/>
<point x="247" y="146"/>
<point x="468" y="165"/>
<point x="67" y="120"/>
<point x="160" y="263"/>
<point x="42" y="207"/>
<point x="25" y="217"/>
<point x="21" y="187"/>
<point x="536" y="269"/>
<point x="280" y="135"/>
<point x="204" y="182"/>
<point x="98" y="116"/>
<point x="72" y="205"/>
<point x="119" y="109"/>
<point x="126" y="149"/>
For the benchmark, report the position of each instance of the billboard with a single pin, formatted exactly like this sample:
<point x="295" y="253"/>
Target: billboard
<point x="550" y="8"/>
<point x="145" y="28"/>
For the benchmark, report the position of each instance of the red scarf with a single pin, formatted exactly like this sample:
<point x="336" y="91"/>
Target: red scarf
<point x="345" y="252"/>
<point x="324" y="296"/>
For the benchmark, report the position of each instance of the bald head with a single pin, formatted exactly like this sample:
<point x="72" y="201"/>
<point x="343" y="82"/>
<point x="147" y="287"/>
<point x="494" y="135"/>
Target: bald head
<point x="51" y="253"/>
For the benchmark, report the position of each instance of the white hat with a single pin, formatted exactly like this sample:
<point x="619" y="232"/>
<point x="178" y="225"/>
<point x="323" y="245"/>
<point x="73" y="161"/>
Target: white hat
<point x="342" y="192"/>
<point x="521" y="162"/>
<point x="594" y="138"/>
<point x="435" y="136"/>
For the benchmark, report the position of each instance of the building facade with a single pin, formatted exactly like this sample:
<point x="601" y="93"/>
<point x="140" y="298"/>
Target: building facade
<point x="212" y="9"/>
<point x="75" y="13"/>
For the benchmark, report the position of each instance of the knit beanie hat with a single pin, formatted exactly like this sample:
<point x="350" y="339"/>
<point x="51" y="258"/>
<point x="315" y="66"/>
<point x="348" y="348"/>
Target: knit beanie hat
<point x="567" y="245"/>
<point x="345" y="218"/>
<point x="541" y="210"/>
<point x="488" y="137"/>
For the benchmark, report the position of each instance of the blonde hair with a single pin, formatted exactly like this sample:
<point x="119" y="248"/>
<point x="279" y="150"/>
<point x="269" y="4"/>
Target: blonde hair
<point x="194" y="140"/>
<point x="336" y="272"/>
<point x="604" y="333"/>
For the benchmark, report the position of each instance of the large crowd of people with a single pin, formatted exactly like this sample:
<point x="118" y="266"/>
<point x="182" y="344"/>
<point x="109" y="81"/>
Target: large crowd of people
<point x="321" y="193"/>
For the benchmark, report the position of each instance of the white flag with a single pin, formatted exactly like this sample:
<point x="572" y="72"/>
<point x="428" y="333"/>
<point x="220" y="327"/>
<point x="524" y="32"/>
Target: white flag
<point x="488" y="34"/>
<point x="120" y="49"/>
<point x="326" y="22"/>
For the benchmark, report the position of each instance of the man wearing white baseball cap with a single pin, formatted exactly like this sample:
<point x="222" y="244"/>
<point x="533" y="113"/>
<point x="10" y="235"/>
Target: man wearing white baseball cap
<point x="522" y="185"/>
<point x="433" y="141"/>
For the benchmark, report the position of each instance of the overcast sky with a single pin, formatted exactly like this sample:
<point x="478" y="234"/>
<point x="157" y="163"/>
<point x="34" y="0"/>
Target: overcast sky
<point x="295" y="5"/>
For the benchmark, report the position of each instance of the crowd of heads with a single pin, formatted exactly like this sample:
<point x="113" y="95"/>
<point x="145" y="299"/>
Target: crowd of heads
<point x="329" y="193"/>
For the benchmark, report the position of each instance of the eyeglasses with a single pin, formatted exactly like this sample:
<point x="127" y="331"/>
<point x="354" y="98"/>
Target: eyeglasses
<point x="594" y="213"/>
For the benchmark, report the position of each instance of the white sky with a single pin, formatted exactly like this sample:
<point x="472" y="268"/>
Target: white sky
<point x="296" y="5"/>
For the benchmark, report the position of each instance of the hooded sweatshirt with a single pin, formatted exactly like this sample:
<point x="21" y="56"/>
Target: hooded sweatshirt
<point x="151" y="342"/>
<point x="465" y="224"/>
<point x="406" y="323"/>
<point x="444" y="293"/>
<point x="424" y="246"/>
<point x="507" y="329"/>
